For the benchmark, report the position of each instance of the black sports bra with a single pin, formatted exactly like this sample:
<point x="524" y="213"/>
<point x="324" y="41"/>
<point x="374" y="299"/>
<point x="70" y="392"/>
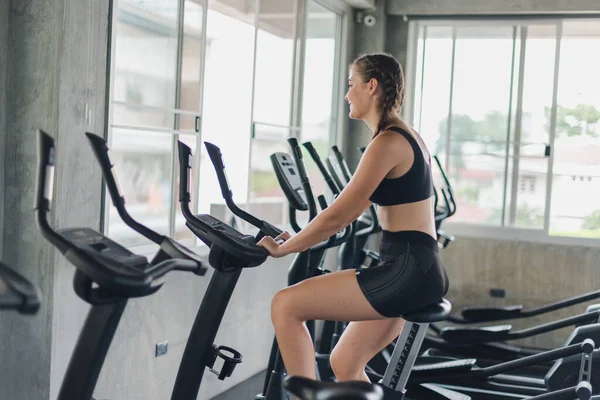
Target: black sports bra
<point x="415" y="185"/>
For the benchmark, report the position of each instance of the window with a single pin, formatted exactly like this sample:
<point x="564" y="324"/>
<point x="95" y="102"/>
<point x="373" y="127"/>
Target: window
<point x="575" y="210"/>
<point x="143" y="88"/>
<point x="227" y="102"/>
<point x="511" y="109"/>
<point x="221" y="71"/>
<point x="473" y="133"/>
<point x="272" y="121"/>
<point x="318" y="118"/>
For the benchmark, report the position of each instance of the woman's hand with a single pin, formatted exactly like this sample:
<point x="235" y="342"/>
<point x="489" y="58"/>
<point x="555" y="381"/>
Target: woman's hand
<point x="273" y="246"/>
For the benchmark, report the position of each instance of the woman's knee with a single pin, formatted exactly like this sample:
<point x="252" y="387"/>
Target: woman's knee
<point x="345" y="365"/>
<point x="283" y="306"/>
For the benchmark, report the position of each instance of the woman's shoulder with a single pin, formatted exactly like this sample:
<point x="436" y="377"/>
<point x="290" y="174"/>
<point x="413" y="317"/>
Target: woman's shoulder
<point x="403" y="135"/>
<point x="393" y="136"/>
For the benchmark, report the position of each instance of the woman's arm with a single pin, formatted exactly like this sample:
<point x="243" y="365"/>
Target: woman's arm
<point x="382" y="154"/>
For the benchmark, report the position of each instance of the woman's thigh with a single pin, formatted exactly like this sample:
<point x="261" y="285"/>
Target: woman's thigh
<point x="335" y="297"/>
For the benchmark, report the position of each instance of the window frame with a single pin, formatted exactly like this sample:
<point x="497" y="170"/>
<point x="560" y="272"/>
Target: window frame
<point x="337" y="7"/>
<point x="478" y="230"/>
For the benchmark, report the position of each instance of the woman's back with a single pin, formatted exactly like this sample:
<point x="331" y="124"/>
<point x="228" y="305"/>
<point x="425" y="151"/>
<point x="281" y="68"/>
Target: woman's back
<point x="405" y="196"/>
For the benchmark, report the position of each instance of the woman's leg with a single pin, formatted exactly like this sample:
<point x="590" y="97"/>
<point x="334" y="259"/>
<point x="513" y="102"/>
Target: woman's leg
<point x="360" y="342"/>
<point x="335" y="297"/>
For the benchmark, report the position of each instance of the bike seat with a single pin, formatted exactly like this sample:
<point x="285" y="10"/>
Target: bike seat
<point x="433" y="313"/>
<point x="309" y="389"/>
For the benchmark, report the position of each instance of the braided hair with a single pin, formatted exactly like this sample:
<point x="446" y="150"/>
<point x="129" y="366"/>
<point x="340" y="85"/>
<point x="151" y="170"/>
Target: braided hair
<point x="387" y="71"/>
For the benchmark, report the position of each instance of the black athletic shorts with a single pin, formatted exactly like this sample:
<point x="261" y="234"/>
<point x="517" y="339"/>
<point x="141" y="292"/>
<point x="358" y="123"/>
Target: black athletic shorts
<point x="409" y="277"/>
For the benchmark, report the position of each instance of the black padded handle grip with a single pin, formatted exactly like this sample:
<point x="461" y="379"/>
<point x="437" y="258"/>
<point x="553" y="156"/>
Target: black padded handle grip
<point x="215" y="156"/>
<point x="185" y="164"/>
<point x="326" y="176"/>
<point x="100" y="148"/>
<point x="310" y="198"/>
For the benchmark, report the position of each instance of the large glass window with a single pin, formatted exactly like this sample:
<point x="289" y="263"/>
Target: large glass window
<point x="529" y="163"/>
<point x="190" y="97"/>
<point x="227" y="102"/>
<point x="474" y="134"/>
<point x="519" y="149"/>
<point x="273" y="97"/>
<point x="143" y="92"/>
<point x="223" y="71"/>
<point x="317" y="121"/>
<point x="575" y="210"/>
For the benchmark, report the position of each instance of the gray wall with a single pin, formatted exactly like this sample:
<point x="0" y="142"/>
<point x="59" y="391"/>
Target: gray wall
<point x="33" y="73"/>
<point x="366" y="40"/>
<point x="532" y="274"/>
<point x="81" y="107"/>
<point x="435" y="7"/>
<point x="3" y="65"/>
<point x="346" y="55"/>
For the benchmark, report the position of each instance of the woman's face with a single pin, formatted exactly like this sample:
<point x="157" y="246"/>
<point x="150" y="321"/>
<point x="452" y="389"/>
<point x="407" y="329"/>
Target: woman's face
<point x="360" y="95"/>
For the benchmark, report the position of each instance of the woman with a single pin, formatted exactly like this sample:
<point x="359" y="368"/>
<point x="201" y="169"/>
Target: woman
<point x="394" y="173"/>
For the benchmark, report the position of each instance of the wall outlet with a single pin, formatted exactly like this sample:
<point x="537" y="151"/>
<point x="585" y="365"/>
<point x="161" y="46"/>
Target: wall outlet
<point x="161" y="348"/>
<point x="500" y="293"/>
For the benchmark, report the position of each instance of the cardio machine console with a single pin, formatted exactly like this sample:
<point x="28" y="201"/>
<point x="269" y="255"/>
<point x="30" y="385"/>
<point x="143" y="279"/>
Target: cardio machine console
<point x="115" y="271"/>
<point x="103" y="248"/>
<point x="289" y="180"/>
<point x="229" y="248"/>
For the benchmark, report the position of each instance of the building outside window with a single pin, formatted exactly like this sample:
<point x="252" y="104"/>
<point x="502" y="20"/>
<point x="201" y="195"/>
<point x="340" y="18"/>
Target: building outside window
<point x="511" y="108"/>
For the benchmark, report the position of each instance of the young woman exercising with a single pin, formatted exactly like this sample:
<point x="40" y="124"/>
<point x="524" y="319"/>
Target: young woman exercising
<point x="394" y="173"/>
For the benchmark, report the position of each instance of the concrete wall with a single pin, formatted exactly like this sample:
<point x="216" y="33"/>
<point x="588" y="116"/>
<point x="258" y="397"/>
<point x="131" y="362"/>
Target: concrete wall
<point x="3" y="66"/>
<point x="434" y="7"/>
<point x="347" y="55"/>
<point x="55" y="80"/>
<point x="367" y="40"/>
<point x="32" y="83"/>
<point x="77" y="201"/>
<point x="532" y="274"/>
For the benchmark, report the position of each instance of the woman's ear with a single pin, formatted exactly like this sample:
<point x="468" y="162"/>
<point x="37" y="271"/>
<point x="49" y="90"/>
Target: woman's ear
<point x="372" y="86"/>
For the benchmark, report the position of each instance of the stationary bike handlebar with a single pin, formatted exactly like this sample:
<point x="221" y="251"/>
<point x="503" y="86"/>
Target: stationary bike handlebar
<point x="108" y="273"/>
<point x="334" y="240"/>
<point x="100" y="148"/>
<point x="266" y="229"/>
<point x="452" y="202"/>
<point x="169" y="247"/>
<point x="326" y="175"/>
<point x="310" y="197"/>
